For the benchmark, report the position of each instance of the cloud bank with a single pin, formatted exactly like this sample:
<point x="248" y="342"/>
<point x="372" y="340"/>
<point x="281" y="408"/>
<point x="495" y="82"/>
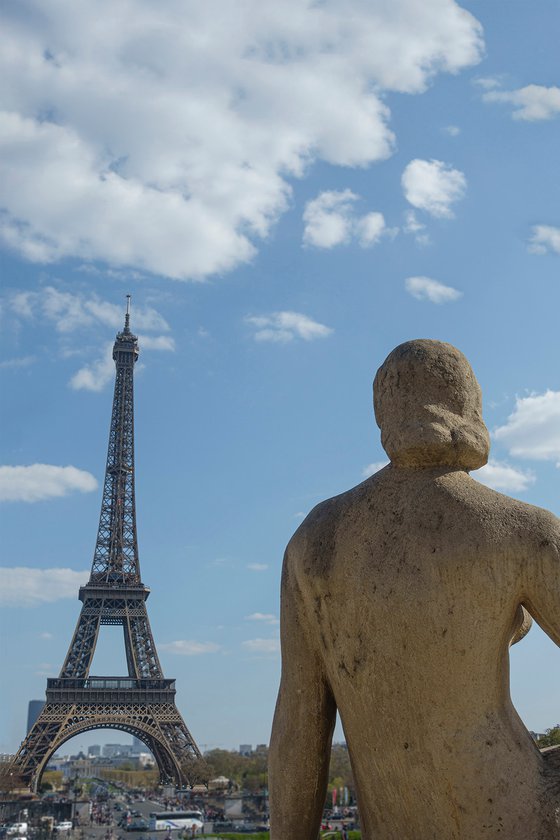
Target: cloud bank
<point x="545" y="238"/>
<point x="165" y="136"/>
<point x="504" y="477"/>
<point x="267" y="618"/>
<point x="425" y="288"/>
<point x="38" y="482"/>
<point x="433" y="186"/>
<point x="330" y="219"/>
<point x="533" y="428"/>
<point x="68" y="312"/>
<point x="282" y="327"/>
<point x="23" y="586"/>
<point x="531" y="103"/>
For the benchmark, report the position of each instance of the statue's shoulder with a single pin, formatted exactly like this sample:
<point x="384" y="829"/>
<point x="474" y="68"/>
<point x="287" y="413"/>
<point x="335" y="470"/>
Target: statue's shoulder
<point x="542" y="524"/>
<point x="515" y="516"/>
<point x="328" y="513"/>
<point x="524" y="517"/>
<point x="314" y="542"/>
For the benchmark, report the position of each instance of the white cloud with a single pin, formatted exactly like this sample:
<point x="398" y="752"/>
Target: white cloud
<point x="156" y="342"/>
<point x="330" y="219"/>
<point x="46" y="636"/>
<point x="188" y="647"/>
<point x="285" y="326"/>
<point x="545" y="238"/>
<point x="533" y="428"/>
<point x="164" y="136"/>
<point x="433" y="186"/>
<point x="452" y="130"/>
<point x="370" y="228"/>
<point x="125" y="275"/>
<point x="487" y="82"/>
<point x="501" y="476"/>
<point x="530" y="103"/>
<point x="262" y="645"/>
<point x="424" y="288"/>
<point x="267" y="618"/>
<point x="95" y="376"/>
<point x="69" y="312"/>
<point x="257" y="567"/>
<point x="23" y="586"/>
<point x="37" y="482"/>
<point x="371" y="469"/>
<point x="220" y="561"/>
<point x="415" y="227"/>
<point x="15" y="364"/>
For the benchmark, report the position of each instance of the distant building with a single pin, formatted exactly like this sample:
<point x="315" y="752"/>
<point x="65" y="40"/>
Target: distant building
<point x="33" y="711"/>
<point x="245" y="749"/>
<point x="138" y="746"/>
<point x="111" y="750"/>
<point x="80" y="767"/>
<point x="94" y="751"/>
<point x="261" y="748"/>
<point x="58" y="762"/>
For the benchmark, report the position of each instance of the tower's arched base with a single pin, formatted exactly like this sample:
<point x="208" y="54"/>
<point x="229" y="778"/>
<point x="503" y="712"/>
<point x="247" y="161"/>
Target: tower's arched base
<point x="105" y="703"/>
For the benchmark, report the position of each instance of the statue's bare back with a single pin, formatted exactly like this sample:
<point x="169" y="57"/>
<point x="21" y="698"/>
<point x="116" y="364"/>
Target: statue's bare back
<point x="400" y="599"/>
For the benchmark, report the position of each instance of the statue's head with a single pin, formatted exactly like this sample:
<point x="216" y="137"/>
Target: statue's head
<point x="428" y="406"/>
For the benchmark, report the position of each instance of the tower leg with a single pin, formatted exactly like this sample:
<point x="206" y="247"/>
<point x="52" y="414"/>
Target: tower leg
<point x="82" y="647"/>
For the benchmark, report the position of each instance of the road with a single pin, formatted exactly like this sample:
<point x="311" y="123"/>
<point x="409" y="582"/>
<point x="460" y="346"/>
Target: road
<point x="112" y="831"/>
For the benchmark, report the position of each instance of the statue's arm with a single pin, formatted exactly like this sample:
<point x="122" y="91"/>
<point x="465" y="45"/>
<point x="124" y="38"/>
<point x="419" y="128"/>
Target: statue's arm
<point x="303" y="725"/>
<point x="542" y="576"/>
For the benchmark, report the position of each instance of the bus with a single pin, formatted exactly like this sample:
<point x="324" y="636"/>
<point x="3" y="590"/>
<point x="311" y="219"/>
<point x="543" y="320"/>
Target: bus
<point x="172" y="820"/>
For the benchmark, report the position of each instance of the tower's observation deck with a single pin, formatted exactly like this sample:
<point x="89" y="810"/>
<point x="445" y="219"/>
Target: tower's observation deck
<point x="109" y="690"/>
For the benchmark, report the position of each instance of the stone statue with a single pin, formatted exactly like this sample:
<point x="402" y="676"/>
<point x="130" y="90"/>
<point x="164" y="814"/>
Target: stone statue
<point x="399" y="601"/>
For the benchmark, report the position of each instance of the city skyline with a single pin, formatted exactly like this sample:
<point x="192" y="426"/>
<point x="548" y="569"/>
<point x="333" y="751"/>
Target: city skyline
<point x="287" y="196"/>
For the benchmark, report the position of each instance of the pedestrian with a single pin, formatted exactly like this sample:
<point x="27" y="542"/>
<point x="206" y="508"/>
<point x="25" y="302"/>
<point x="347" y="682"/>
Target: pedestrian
<point x="343" y="832"/>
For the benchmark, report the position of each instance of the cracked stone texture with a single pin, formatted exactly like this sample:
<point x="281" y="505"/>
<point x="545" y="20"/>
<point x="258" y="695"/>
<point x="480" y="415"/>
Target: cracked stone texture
<point x="400" y="599"/>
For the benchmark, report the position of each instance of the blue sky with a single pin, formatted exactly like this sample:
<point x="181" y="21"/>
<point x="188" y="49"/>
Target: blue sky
<point x="287" y="192"/>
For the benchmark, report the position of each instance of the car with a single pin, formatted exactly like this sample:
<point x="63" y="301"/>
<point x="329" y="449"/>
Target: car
<point x="65" y="825"/>
<point x="17" y="828"/>
<point x="137" y="825"/>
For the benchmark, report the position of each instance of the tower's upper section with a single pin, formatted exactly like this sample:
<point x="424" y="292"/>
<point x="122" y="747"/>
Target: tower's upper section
<point x="125" y="348"/>
<point x="115" y="561"/>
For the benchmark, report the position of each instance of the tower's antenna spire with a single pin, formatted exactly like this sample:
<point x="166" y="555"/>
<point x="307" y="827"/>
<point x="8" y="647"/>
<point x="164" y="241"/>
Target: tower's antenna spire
<point x="127" y="316"/>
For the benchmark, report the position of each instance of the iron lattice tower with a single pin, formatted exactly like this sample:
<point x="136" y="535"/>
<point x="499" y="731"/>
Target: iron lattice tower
<point x="142" y="703"/>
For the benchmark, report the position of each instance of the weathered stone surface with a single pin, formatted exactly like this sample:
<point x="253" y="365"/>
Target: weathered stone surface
<point x="399" y="601"/>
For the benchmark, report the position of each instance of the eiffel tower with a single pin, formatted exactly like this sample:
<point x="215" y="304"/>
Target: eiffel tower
<point x="142" y="703"/>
